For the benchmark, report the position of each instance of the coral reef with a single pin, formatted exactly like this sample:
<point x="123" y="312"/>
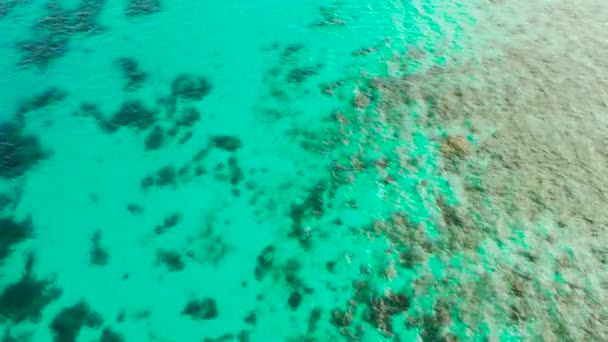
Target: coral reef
<point x="226" y="142"/>
<point x="99" y="255"/>
<point x="18" y="151"/>
<point x="27" y="298"/>
<point x="190" y="88"/>
<point x="202" y="309"/>
<point x="108" y="335"/>
<point x="171" y="259"/>
<point x="168" y="223"/>
<point x="294" y="300"/>
<point x="131" y="72"/>
<point x="48" y="97"/>
<point x="155" y="139"/>
<point x="41" y="51"/>
<point x="190" y="116"/>
<point x="85" y="18"/>
<point x="54" y="31"/>
<point x="264" y="262"/>
<point x="132" y="114"/>
<point x="68" y="322"/>
<point x="138" y="8"/>
<point x="301" y="74"/>
<point x="135" y="209"/>
<point x="13" y="233"/>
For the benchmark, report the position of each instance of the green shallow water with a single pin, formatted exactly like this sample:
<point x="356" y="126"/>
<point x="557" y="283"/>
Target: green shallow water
<point x="209" y="171"/>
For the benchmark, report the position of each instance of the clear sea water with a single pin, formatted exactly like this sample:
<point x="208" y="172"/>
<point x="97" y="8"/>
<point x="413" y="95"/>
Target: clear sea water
<point x="179" y="170"/>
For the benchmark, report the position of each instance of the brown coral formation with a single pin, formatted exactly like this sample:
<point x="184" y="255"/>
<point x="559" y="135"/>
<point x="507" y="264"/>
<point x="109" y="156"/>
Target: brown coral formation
<point x="455" y="146"/>
<point x="529" y="228"/>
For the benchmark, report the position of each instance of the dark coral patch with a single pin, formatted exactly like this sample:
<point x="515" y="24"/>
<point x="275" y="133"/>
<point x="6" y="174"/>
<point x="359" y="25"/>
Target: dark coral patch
<point x="155" y="139"/>
<point x="223" y="338"/>
<point x="7" y="6"/>
<point x="168" y="223"/>
<point x="91" y="110"/>
<point x="42" y="50"/>
<point x="131" y="72"/>
<point x="189" y="117"/>
<point x="236" y="174"/>
<point x="301" y="74"/>
<point x="54" y="30"/>
<point x="6" y="201"/>
<point x="227" y="142"/>
<point x="172" y="132"/>
<point x="199" y="171"/>
<point x="203" y="309"/>
<point x="51" y="38"/>
<point x="171" y="259"/>
<point x="135" y="209"/>
<point x="313" y="319"/>
<point x="48" y="97"/>
<point x="201" y="154"/>
<point x="295" y="299"/>
<point x="382" y="309"/>
<point x="99" y="255"/>
<point x="12" y="233"/>
<point x="27" y="298"/>
<point x="85" y="18"/>
<point x="313" y="206"/>
<point x="138" y="8"/>
<point x="108" y="335"/>
<point x="264" y="262"/>
<point x="67" y="324"/>
<point x="55" y="20"/>
<point x="132" y="114"/>
<point x="251" y="319"/>
<point x="190" y="87"/>
<point x="187" y="136"/>
<point x="18" y="151"/>
<point x="166" y="175"/>
<point x="291" y="51"/>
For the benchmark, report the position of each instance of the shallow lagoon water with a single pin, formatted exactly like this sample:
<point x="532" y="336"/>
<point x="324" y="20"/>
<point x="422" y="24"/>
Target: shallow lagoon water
<point x="310" y="171"/>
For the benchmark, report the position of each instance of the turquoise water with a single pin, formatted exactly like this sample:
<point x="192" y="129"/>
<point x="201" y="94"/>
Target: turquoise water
<point x="214" y="171"/>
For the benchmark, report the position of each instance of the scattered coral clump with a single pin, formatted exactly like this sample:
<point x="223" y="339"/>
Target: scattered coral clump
<point x="19" y="151"/>
<point x="27" y="298"/>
